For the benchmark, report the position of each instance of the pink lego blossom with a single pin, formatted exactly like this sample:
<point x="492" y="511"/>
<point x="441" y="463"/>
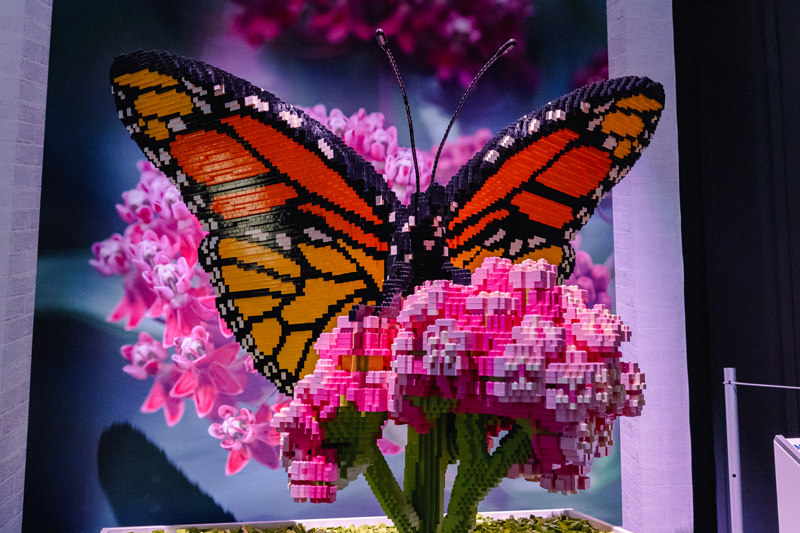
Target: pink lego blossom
<point x="513" y="345"/>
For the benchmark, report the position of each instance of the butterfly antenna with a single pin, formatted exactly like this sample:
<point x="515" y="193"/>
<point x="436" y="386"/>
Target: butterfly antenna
<point x="381" y="36"/>
<point x="506" y="48"/>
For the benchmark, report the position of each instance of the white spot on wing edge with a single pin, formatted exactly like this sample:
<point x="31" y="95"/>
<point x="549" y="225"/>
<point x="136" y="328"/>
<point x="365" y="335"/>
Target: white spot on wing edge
<point x="325" y="149"/>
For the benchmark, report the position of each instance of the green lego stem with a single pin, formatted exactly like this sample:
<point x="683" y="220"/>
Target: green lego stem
<point x="427" y="457"/>
<point x="389" y="494"/>
<point x="478" y="471"/>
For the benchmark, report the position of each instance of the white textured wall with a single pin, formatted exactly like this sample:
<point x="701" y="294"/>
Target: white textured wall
<point x="655" y="448"/>
<point x="24" y="53"/>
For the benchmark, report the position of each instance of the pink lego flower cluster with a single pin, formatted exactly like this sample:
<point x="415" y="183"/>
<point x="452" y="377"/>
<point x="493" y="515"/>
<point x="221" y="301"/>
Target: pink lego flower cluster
<point x="367" y="134"/>
<point x="451" y="38"/>
<point x="513" y="344"/>
<point x="157" y="256"/>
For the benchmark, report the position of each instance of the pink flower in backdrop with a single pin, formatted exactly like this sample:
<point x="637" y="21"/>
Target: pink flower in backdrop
<point x="137" y="299"/>
<point x="456" y="153"/>
<point x="247" y="436"/>
<point x="159" y="398"/>
<point x="452" y="39"/>
<point x="206" y="370"/>
<point x="110" y="256"/>
<point x="594" y="279"/>
<point x="146" y="357"/>
<point x="151" y="250"/>
<point x="365" y="133"/>
<point x="169" y="286"/>
<point x="263" y="20"/>
<point x="401" y="177"/>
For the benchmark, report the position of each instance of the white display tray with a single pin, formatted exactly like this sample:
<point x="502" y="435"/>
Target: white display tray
<point x="368" y="521"/>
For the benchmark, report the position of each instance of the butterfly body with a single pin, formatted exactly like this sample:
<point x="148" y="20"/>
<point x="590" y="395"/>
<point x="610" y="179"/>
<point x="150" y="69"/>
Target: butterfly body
<point x="301" y="228"/>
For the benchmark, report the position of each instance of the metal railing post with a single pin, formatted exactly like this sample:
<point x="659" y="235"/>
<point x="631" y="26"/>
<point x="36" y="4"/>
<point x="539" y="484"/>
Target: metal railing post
<point x="734" y="464"/>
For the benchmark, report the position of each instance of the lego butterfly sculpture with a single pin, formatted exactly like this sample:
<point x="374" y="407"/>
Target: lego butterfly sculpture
<point x="301" y="228"/>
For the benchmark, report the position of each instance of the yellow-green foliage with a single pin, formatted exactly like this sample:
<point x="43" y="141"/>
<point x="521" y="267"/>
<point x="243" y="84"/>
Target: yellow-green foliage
<point x="557" y="524"/>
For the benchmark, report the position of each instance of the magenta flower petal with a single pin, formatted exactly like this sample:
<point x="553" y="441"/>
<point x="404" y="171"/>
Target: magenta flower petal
<point x="225" y="355"/>
<point x="226" y="411"/>
<point x="237" y="459"/>
<point x="264" y="413"/>
<point x="223" y="379"/>
<point x="173" y="411"/>
<point x="263" y="453"/>
<point x="135" y="302"/>
<point x="204" y="396"/>
<point x="155" y="399"/>
<point x="152" y="367"/>
<point x="137" y="372"/>
<point x="185" y="385"/>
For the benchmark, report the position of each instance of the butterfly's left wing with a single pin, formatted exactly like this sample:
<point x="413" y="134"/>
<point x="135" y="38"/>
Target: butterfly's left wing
<point x="526" y="194"/>
<point x="299" y="224"/>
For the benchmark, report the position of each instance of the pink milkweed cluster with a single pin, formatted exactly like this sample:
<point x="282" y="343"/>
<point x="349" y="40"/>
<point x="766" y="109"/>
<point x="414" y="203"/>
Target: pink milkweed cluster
<point x="512" y="345"/>
<point x="197" y="358"/>
<point x="453" y="39"/>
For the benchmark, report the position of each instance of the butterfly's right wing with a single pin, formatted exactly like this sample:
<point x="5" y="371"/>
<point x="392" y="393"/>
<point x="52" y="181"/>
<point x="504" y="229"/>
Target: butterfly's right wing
<point x="526" y="194"/>
<point x="299" y="224"/>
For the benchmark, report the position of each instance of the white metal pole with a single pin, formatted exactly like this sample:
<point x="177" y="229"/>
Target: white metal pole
<point x="734" y="466"/>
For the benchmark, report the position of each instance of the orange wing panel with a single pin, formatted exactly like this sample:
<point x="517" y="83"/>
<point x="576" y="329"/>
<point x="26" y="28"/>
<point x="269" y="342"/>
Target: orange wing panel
<point x="302" y="166"/>
<point x="577" y="172"/>
<point x="543" y="210"/>
<point x="516" y="171"/>
<point x="252" y="201"/>
<point x="212" y="158"/>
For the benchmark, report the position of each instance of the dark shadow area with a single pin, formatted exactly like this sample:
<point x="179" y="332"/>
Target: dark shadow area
<point x="144" y="487"/>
